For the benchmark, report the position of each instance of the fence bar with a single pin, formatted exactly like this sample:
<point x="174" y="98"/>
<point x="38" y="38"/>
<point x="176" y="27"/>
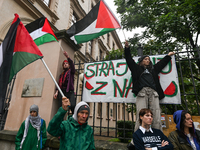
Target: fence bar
<point x="108" y="109"/>
<point x="182" y="79"/>
<point x="193" y="80"/>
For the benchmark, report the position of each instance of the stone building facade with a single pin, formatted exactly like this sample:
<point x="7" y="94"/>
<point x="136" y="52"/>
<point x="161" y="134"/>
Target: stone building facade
<point x="61" y="14"/>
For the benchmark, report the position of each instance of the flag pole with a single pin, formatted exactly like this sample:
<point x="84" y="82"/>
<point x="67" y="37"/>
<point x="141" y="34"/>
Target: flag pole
<point x="124" y="34"/>
<point x="61" y="47"/>
<point x="52" y="77"/>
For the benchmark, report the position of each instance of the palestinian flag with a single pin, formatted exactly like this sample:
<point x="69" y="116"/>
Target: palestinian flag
<point x="99" y="21"/>
<point x="41" y="32"/>
<point x="17" y="50"/>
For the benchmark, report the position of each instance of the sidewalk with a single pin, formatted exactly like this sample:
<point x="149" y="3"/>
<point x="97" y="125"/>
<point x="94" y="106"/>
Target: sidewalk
<point x="103" y="143"/>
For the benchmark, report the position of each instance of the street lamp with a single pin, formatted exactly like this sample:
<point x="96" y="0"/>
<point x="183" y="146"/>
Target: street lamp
<point x="140" y="50"/>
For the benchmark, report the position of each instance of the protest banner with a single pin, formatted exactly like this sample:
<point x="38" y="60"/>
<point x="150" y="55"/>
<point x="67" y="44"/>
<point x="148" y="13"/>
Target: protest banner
<point x="110" y="81"/>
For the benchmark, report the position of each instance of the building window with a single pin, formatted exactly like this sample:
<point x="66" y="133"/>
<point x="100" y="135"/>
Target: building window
<point x="113" y="46"/>
<point x="123" y="111"/>
<point x="108" y="39"/>
<point x="90" y="47"/>
<point x="114" y="110"/>
<point x="74" y="18"/>
<point x="92" y="5"/>
<point x="100" y="54"/>
<point x="47" y="2"/>
<point x="91" y="108"/>
<point x="99" y="109"/>
<point x="119" y="111"/>
<point x="107" y="110"/>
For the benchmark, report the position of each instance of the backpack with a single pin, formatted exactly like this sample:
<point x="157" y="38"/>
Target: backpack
<point x="41" y="134"/>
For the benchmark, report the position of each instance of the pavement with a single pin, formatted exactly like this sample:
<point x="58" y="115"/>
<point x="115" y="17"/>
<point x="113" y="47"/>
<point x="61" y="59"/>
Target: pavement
<point x="103" y="143"/>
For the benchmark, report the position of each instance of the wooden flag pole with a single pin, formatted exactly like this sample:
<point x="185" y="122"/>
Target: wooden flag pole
<point x="52" y="78"/>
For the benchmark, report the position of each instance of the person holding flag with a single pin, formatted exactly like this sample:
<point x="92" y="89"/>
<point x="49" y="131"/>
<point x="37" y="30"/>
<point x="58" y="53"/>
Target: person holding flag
<point x="66" y="82"/>
<point x="74" y="133"/>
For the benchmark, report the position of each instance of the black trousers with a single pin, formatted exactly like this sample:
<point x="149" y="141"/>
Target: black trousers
<point x="71" y="97"/>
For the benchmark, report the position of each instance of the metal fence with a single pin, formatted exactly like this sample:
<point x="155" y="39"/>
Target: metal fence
<point x="188" y="68"/>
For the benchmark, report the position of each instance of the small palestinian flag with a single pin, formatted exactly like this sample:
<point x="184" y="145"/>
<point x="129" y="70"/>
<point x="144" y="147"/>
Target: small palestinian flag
<point x="16" y="51"/>
<point x="99" y="21"/>
<point x="41" y="32"/>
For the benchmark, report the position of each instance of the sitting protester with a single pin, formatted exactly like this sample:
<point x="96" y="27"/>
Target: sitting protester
<point x="147" y="138"/>
<point x="185" y="137"/>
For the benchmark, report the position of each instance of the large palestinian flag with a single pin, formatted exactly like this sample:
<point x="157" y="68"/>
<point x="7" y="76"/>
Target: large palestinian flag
<point x="41" y="32"/>
<point x="17" y="50"/>
<point x="99" y="21"/>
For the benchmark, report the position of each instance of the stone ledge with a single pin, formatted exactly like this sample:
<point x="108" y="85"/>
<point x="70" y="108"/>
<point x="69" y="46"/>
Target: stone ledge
<point x="53" y="143"/>
<point x="106" y="145"/>
<point x="8" y="135"/>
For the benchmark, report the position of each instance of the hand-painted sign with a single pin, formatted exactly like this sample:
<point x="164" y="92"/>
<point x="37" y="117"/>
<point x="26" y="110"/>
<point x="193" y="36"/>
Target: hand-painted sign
<point x="110" y="81"/>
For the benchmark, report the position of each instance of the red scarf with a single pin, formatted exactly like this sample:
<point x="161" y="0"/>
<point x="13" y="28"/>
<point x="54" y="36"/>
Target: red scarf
<point x="61" y="80"/>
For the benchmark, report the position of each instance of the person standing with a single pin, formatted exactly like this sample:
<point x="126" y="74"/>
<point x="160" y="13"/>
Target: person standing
<point x="147" y="138"/>
<point x="66" y="82"/>
<point x="185" y="137"/>
<point x="74" y="133"/>
<point x="32" y="133"/>
<point x="146" y="85"/>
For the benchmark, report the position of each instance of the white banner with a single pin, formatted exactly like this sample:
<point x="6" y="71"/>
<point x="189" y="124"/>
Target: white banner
<point x="110" y="81"/>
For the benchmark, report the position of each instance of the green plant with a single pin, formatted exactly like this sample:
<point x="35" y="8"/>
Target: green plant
<point x="125" y="130"/>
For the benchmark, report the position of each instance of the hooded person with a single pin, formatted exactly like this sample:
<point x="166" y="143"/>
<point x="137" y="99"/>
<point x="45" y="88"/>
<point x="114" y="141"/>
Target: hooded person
<point x="32" y="133"/>
<point x="146" y="84"/>
<point x="185" y="137"/>
<point x="74" y="133"/>
<point x="66" y="82"/>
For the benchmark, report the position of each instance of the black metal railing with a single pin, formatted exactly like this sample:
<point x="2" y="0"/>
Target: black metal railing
<point x="189" y="80"/>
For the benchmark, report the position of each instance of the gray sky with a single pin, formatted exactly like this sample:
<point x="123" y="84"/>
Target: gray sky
<point x="128" y="34"/>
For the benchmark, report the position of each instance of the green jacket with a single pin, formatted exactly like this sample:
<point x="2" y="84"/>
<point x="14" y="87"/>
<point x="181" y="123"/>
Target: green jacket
<point x="179" y="142"/>
<point x="73" y="136"/>
<point x="31" y="140"/>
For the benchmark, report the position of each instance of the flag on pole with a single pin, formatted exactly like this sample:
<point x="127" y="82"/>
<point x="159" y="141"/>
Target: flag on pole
<point x="41" y="32"/>
<point x="16" y="51"/>
<point x="99" y="21"/>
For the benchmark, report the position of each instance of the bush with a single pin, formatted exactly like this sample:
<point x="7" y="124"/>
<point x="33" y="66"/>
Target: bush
<point x="128" y="129"/>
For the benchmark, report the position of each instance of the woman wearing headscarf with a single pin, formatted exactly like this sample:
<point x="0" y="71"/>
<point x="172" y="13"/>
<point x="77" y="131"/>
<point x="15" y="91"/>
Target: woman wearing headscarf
<point x="32" y="132"/>
<point x="185" y="137"/>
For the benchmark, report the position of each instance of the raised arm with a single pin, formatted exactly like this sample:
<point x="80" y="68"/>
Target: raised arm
<point x="70" y="62"/>
<point x="55" y="128"/>
<point x="162" y="63"/>
<point x="130" y="62"/>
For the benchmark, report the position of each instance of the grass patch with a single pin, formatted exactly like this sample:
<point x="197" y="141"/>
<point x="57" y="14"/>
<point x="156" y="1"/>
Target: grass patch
<point x="114" y="140"/>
